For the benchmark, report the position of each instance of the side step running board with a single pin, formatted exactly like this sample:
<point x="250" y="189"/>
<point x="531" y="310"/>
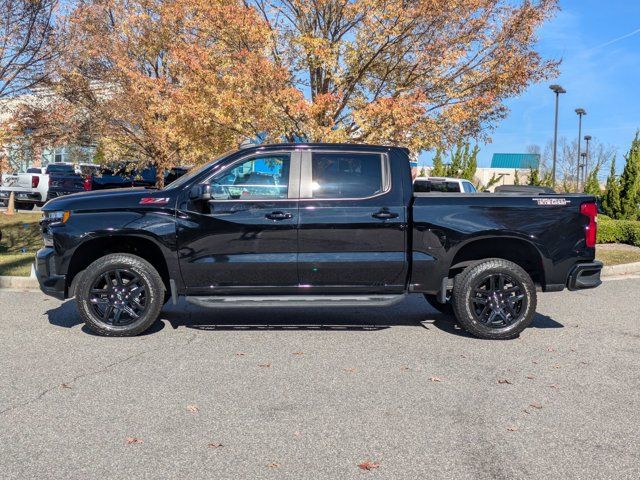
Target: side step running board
<point x="244" y="301"/>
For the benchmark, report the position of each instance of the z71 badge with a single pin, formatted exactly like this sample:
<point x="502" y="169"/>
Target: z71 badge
<point x="551" y="202"/>
<point x="154" y="201"/>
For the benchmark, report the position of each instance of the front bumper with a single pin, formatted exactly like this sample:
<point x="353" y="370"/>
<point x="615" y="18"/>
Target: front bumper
<point x="50" y="281"/>
<point x="585" y="275"/>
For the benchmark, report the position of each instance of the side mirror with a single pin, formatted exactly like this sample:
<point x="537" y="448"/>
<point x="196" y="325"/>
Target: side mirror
<point x="200" y="192"/>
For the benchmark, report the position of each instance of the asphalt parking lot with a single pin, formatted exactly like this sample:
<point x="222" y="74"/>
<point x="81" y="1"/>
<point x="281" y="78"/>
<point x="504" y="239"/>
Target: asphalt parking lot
<point x="299" y="394"/>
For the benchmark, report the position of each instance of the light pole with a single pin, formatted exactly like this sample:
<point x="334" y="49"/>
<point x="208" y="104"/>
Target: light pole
<point x="587" y="138"/>
<point x="582" y="166"/>
<point x="557" y="89"/>
<point x="580" y="112"/>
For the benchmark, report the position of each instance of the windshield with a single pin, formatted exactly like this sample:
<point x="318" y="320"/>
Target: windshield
<point x="187" y="177"/>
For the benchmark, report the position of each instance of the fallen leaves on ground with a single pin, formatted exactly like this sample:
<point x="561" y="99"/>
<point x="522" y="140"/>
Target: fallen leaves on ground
<point x="536" y="405"/>
<point x="265" y="365"/>
<point x="557" y="365"/>
<point x="551" y="349"/>
<point x="192" y="408"/>
<point x="553" y="385"/>
<point x="368" y="465"/>
<point x="131" y="440"/>
<point x="273" y="465"/>
<point x="297" y="353"/>
<point x="435" y="379"/>
<point x="350" y="370"/>
<point x="530" y="377"/>
<point x="504" y="381"/>
<point x="65" y="385"/>
<point x="240" y="354"/>
<point x="296" y="434"/>
<point x="215" y="445"/>
<point x="404" y="367"/>
<point x="512" y="428"/>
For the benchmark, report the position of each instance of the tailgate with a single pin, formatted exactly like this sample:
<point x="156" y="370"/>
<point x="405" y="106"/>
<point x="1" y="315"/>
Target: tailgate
<point x="17" y="181"/>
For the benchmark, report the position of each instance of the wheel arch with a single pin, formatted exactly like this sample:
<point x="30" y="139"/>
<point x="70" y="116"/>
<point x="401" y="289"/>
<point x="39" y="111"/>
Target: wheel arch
<point x="97" y="247"/>
<point x="514" y="249"/>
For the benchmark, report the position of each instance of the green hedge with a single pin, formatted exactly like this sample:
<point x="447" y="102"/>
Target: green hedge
<point x="618" y="231"/>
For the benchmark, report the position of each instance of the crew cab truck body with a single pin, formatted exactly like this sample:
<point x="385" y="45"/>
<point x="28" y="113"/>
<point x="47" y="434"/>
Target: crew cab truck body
<point x="313" y="225"/>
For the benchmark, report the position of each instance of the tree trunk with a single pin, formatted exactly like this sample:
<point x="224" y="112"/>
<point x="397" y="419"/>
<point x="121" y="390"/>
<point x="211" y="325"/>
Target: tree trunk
<point x="160" y="176"/>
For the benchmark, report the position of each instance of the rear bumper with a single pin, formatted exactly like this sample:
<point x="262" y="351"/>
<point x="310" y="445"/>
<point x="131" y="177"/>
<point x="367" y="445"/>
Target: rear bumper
<point x="585" y="275"/>
<point x="21" y="196"/>
<point x="50" y="281"/>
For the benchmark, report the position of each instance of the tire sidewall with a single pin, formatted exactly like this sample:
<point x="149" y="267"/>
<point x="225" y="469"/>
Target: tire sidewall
<point x="462" y="302"/>
<point x="150" y="279"/>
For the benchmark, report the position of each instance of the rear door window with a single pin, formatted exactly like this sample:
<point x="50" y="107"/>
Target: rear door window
<point x="346" y="175"/>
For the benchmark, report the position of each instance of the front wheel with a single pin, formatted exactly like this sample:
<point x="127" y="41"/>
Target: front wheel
<point x="120" y="295"/>
<point x="494" y="299"/>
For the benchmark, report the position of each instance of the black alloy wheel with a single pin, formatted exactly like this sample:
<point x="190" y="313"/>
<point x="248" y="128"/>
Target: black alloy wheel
<point x="497" y="300"/>
<point x="119" y="297"/>
<point x="494" y="299"/>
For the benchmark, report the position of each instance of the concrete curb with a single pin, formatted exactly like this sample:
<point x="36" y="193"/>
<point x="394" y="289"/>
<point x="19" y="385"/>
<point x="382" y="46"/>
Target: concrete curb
<point x="618" y="270"/>
<point x="24" y="283"/>
<point x="31" y="283"/>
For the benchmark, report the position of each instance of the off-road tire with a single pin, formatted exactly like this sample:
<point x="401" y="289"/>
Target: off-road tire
<point x="463" y="291"/>
<point x="148" y="275"/>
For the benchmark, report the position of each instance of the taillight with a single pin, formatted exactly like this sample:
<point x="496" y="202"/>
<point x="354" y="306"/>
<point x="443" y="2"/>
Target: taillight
<point x="35" y="181"/>
<point x="590" y="231"/>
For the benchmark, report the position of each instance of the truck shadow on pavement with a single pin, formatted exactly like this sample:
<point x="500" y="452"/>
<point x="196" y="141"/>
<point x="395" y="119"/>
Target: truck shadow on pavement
<point x="413" y="312"/>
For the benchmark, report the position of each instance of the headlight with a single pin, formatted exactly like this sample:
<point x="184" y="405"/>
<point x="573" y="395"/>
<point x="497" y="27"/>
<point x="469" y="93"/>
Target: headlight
<point x="50" y="218"/>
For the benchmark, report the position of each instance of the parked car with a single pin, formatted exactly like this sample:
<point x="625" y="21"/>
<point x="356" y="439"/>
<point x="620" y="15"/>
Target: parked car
<point x="443" y="185"/>
<point x="64" y="179"/>
<point x="333" y="225"/>
<point x="29" y="188"/>
<point x="126" y="175"/>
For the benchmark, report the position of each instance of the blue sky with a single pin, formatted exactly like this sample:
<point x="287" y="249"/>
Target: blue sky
<point x="599" y="44"/>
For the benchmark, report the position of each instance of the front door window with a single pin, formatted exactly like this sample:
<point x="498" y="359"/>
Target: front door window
<point x="259" y="178"/>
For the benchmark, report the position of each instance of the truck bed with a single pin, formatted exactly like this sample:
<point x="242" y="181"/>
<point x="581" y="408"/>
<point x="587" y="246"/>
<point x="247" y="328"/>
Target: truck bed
<point x="547" y="230"/>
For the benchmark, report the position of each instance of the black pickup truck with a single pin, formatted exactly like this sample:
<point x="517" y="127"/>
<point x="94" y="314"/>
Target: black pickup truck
<point x="313" y="225"/>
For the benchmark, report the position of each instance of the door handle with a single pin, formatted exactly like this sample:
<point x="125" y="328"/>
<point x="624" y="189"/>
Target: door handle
<point x="384" y="215"/>
<point x="278" y="215"/>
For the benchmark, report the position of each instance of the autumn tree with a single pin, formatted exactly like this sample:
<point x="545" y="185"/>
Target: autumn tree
<point x="417" y="74"/>
<point x="26" y="29"/>
<point x="169" y="82"/>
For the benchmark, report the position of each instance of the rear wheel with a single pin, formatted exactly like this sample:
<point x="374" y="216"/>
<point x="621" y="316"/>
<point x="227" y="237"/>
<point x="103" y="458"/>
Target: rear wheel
<point x="120" y="295"/>
<point x="494" y="299"/>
